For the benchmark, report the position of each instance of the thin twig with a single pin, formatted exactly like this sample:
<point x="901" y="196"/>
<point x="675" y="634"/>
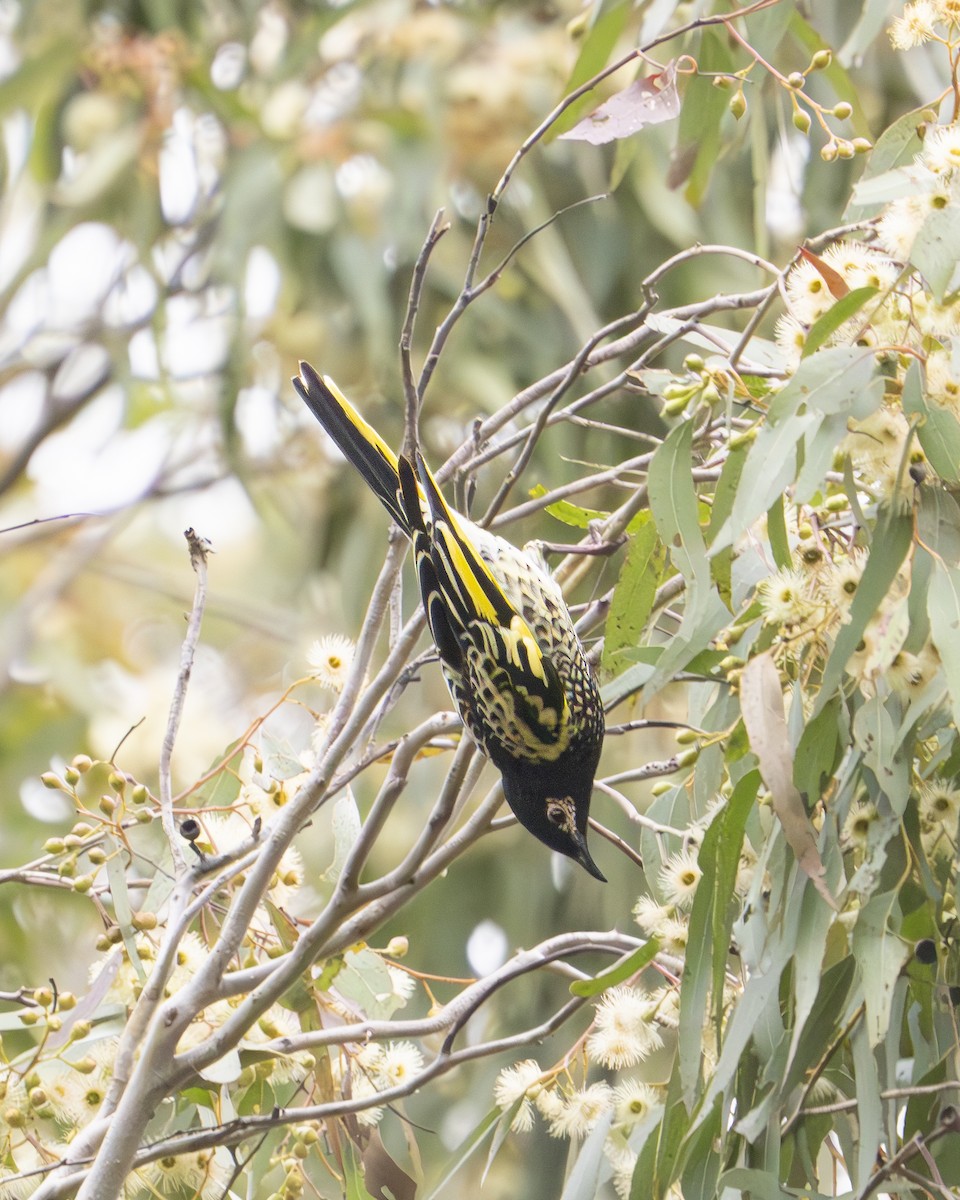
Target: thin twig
<point x="199" y="549"/>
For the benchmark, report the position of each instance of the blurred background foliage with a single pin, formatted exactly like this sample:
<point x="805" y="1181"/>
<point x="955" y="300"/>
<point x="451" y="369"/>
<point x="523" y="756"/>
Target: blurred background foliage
<point x="193" y="197"/>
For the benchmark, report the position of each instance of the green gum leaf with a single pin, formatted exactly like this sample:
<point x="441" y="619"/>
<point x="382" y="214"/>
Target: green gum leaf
<point x="622" y="971"/>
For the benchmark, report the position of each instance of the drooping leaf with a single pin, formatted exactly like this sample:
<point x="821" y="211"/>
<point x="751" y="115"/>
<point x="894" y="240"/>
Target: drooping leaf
<point x="936" y="250"/>
<point x="875" y="734"/>
<point x="943" y="606"/>
<point x="346" y="829"/>
<point x="777" y="533"/>
<point x="354" y="1187"/>
<point x="831" y="1002"/>
<point x="650" y="100"/>
<point x="704" y="107"/>
<point x="869" y="1108"/>
<point x="846" y="307"/>
<point x="675" y="509"/>
<point x="873" y="17"/>
<point x="383" y="1176"/>
<point x="836" y="284"/>
<point x="584" y="1178"/>
<point x="938" y="430"/>
<point x="819" y="750"/>
<point x="465" y="1151"/>
<point x="839" y="382"/>
<point x="892" y="540"/>
<point x="658" y="1163"/>
<point x="710" y="925"/>
<point x="762" y="704"/>
<point x="674" y="504"/>
<point x="881" y="954"/>
<point x="634" y="593"/>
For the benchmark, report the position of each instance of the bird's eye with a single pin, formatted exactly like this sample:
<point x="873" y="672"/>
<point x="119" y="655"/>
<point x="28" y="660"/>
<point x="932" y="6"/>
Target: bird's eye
<point x="559" y="814"/>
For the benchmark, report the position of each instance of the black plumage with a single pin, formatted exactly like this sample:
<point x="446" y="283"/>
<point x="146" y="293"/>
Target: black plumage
<point x="513" y="662"/>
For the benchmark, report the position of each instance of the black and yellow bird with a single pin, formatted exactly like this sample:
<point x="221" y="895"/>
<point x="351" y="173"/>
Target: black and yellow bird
<point x="511" y="657"/>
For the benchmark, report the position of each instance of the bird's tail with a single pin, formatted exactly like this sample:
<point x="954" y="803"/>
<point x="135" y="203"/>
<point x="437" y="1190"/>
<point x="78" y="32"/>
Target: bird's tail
<point x="357" y="441"/>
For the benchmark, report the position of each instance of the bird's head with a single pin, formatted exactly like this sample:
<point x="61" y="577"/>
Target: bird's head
<point x="554" y="806"/>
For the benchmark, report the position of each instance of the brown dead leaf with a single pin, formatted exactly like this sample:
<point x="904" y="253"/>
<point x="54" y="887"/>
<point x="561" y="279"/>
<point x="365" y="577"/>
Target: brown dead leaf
<point x="836" y="284"/>
<point x="647" y="101"/>
<point x="761" y="702"/>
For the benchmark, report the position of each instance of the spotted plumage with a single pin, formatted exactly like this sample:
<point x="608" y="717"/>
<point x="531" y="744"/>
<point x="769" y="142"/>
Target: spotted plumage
<point x="510" y="655"/>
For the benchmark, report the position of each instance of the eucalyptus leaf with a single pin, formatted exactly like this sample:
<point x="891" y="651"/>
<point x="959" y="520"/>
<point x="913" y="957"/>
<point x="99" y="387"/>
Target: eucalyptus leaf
<point x="944" y="610"/>
<point x="366" y="981"/>
<point x="622" y="971"/>
<point x="584" y="1179"/>
<point x="936" y="250"/>
<point x="634" y="593"/>
<point x="881" y="954"/>
<point x="842" y="310"/>
<point x="869" y="1107"/>
<point x="674" y="504"/>
<point x="894" y="537"/>
<point x="938" y="430"/>
<point x="762" y="703"/>
<point x="465" y="1151"/>
<point x="838" y="381"/>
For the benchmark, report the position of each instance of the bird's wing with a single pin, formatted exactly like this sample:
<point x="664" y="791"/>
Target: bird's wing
<point x="357" y="440"/>
<point x="479" y="633"/>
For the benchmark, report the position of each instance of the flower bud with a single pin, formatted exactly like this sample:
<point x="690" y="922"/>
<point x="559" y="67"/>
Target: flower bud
<point x="738" y="104"/>
<point x="842" y="110"/>
<point x="801" y="120"/>
<point x="744" y="437"/>
<point x="673" y="408"/>
<point x="795" y="79"/>
<point x="821" y="60"/>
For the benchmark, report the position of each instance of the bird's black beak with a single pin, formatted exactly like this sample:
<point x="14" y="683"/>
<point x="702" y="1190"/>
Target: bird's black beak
<point x="583" y="858"/>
